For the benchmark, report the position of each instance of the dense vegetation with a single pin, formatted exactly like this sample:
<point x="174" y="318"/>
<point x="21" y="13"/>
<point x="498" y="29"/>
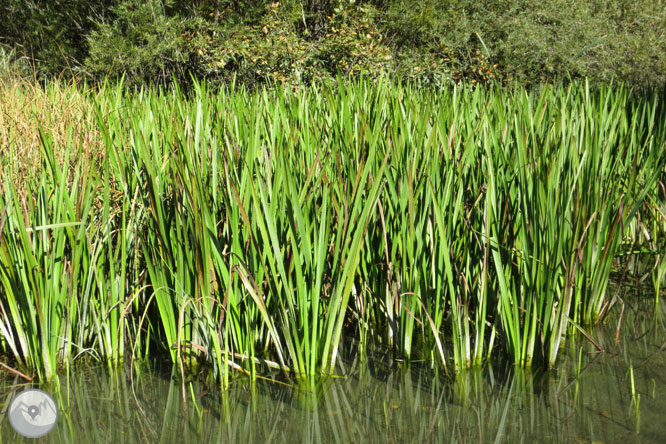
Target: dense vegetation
<point x="240" y="184"/>
<point x="250" y="229"/>
<point x="300" y="41"/>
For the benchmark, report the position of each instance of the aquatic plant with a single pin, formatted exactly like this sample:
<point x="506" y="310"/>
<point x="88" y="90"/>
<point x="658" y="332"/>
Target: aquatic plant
<point x="244" y="230"/>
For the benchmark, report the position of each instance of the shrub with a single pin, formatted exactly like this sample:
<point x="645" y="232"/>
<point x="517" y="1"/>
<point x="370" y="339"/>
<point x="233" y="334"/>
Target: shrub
<point x="533" y="41"/>
<point x="143" y="43"/>
<point x="276" y="50"/>
<point x="51" y="35"/>
<point x="354" y="43"/>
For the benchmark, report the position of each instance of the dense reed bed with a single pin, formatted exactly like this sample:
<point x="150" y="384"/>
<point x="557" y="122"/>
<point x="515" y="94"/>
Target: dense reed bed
<point x="243" y="231"/>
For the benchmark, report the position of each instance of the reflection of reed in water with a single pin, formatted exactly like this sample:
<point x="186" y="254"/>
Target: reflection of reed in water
<point x="586" y="399"/>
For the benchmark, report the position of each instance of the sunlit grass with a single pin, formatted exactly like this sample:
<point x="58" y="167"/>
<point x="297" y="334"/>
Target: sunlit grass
<point x="239" y="230"/>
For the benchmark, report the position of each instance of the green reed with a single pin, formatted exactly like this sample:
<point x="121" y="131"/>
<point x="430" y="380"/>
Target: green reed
<point x="243" y="231"/>
<point x="45" y="261"/>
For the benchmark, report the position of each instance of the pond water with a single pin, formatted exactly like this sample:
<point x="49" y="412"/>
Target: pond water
<point x="587" y="399"/>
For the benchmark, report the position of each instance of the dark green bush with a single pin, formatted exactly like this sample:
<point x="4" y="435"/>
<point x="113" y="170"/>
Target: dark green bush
<point x="51" y="35"/>
<point x="276" y="49"/>
<point x="354" y="43"/>
<point x="534" y="41"/>
<point x="300" y="41"/>
<point x="269" y="50"/>
<point x="143" y="43"/>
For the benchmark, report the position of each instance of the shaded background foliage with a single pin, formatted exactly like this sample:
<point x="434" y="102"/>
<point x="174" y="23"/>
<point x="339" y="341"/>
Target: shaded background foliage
<point x="300" y="41"/>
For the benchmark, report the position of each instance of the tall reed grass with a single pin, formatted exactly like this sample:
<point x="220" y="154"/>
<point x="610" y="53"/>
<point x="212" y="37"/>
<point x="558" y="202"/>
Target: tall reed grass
<point x="248" y="230"/>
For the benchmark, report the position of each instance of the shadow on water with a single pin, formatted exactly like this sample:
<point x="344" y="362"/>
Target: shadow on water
<point x="587" y="398"/>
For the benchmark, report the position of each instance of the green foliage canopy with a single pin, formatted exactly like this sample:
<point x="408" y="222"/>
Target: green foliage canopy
<point x="299" y="41"/>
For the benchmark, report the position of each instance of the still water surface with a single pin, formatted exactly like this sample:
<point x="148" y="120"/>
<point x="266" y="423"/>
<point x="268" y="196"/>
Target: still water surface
<point x="586" y="399"/>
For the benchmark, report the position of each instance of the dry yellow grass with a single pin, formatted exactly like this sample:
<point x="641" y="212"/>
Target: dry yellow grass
<point x="62" y="110"/>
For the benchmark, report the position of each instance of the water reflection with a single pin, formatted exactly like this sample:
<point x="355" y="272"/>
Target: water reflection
<point x="587" y="399"/>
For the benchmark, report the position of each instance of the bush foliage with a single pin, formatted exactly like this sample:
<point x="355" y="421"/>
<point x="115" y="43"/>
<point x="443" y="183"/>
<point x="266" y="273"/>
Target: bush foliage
<point x="301" y="41"/>
<point x="142" y="42"/>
